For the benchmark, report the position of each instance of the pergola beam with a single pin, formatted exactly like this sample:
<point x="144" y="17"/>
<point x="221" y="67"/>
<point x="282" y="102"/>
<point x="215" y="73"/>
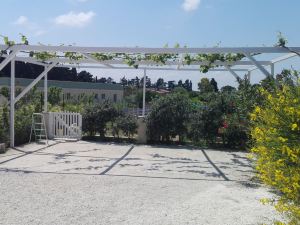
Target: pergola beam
<point x="146" y="63"/>
<point x="258" y="65"/>
<point x="148" y="68"/>
<point x="88" y="56"/>
<point x="7" y="59"/>
<point x="284" y="57"/>
<point x="248" y="50"/>
<point x="34" y="82"/>
<point x="233" y="72"/>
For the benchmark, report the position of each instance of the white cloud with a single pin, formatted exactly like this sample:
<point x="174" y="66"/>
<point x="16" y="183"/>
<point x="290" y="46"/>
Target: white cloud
<point x="73" y="19"/>
<point x="22" y="20"/>
<point x="29" y="27"/>
<point x="190" y="5"/>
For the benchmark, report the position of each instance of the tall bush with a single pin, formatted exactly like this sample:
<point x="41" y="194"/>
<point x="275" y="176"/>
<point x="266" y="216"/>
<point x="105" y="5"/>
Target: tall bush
<point x="276" y="136"/>
<point x="125" y="123"/>
<point x="169" y="116"/>
<point x="96" y="117"/>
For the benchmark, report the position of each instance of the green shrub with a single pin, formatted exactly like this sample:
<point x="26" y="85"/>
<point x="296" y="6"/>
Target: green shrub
<point x="168" y="118"/>
<point x="96" y="117"/>
<point x="4" y="124"/>
<point x="204" y="124"/>
<point x="127" y="124"/>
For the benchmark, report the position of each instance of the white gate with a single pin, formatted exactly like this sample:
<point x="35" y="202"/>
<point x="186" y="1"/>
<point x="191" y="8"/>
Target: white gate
<point x="66" y="125"/>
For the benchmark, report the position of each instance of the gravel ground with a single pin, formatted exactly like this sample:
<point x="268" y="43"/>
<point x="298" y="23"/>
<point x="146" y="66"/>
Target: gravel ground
<point x="98" y="183"/>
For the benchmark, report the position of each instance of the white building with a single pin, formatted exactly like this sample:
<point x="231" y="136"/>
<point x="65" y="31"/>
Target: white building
<point x="72" y="90"/>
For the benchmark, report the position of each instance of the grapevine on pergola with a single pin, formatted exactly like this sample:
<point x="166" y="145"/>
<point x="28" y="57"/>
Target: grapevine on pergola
<point x="133" y="60"/>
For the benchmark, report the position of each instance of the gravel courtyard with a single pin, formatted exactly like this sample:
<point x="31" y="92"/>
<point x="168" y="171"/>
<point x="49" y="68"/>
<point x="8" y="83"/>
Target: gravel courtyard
<point x="101" y="183"/>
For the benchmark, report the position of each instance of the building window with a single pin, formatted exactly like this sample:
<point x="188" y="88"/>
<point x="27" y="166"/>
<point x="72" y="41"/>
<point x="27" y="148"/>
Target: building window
<point x="103" y="96"/>
<point x="115" y="97"/>
<point x="96" y="96"/>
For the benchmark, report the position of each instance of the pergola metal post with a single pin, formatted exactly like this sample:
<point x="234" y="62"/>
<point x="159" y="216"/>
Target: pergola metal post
<point x="144" y="93"/>
<point x="249" y="75"/>
<point x="46" y="93"/>
<point x="272" y="69"/>
<point x="12" y="104"/>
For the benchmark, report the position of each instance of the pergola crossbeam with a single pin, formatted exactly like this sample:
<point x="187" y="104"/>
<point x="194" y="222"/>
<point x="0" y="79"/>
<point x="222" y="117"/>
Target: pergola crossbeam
<point x="135" y="50"/>
<point x="88" y="56"/>
<point x="233" y="72"/>
<point x="34" y="82"/>
<point x="7" y="59"/>
<point x="258" y="65"/>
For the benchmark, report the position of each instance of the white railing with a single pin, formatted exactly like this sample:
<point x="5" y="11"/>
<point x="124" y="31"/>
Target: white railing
<point x="136" y="111"/>
<point x="64" y="125"/>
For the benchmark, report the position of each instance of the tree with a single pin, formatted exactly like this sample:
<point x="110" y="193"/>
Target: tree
<point x="102" y="80"/>
<point x="85" y="76"/>
<point x="109" y="80"/>
<point x="4" y="91"/>
<point x="214" y="84"/>
<point x="168" y="117"/>
<point x="127" y="124"/>
<point x="160" y="83"/>
<point x="148" y="98"/>
<point x="228" y="89"/>
<point x="96" y="117"/>
<point x="188" y="85"/>
<point x="180" y="84"/>
<point x="124" y="81"/>
<point x="54" y="95"/>
<point x="204" y="86"/>
<point x="171" y="84"/>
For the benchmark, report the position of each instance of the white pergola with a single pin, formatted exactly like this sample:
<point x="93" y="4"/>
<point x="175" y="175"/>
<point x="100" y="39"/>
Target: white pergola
<point x="21" y="53"/>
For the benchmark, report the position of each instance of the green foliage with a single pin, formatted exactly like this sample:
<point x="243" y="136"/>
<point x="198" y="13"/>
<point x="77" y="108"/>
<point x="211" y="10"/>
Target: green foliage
<point x="150" y="96"/>
<point x="282" y="41"/>
<point x="54" y="95"/>
<point x="168" y="117"/>
<point x="205" y="86"/>
<point x="4" y="91"/>
<point x="4" y="125"/>
<point x="125" y="124"/>
<point x="96" y="118"/>
<point x="204" y="124"/>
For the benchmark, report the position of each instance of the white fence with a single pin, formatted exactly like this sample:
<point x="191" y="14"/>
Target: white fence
<point x="136" y="111"/>
<point x="64" y="125"/>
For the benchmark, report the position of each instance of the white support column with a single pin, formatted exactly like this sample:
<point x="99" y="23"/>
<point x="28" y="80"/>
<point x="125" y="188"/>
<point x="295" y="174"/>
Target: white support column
<point x="36" y="80"/>
<point x="144" y="93"/>
<point x="232" y="72"/>
<point x="46" y="93"/>
<point x="249" y="75"/>
<point x="272" y="69"/>
<point x="257" y="64"/>
<point x="12" y="104"/>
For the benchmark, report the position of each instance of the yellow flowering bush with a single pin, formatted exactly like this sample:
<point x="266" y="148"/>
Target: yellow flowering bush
<point x="276" y="147"/>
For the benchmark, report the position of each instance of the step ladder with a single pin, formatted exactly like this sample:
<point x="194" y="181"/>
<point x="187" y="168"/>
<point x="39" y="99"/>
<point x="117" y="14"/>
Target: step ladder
<point x="38" y="128"/>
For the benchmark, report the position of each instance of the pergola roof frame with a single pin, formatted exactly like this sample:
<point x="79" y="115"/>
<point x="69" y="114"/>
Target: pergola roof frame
<point x="144" y="65"/>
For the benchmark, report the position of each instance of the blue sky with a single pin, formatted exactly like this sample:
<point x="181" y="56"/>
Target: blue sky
<point x="153" y="23"/>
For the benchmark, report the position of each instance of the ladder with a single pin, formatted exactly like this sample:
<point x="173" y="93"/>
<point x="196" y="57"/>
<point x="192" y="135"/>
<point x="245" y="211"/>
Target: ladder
<point x="38" y="128"/>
